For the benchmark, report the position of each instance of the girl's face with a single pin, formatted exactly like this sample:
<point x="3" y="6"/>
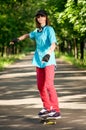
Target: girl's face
<point x="41" y="20"/>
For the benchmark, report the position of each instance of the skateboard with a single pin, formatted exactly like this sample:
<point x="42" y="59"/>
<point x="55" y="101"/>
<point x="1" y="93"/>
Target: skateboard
<point x="46" y="121"/>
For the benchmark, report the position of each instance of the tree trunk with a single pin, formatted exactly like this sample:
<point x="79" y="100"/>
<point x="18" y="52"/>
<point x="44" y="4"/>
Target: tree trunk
<point x="69" y="47"/>
<point x="82" y="50"/>
<point x="75" y="49"/>
<point x="2" y="51"/>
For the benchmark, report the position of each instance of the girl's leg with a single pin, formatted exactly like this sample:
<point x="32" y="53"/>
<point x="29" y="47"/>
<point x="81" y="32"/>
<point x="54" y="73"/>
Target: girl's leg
<point x="42" y="88"/>
<point x="49" y="83"/>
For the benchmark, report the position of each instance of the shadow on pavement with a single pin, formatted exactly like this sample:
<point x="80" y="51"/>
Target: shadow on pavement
<point x="20" y="101"/>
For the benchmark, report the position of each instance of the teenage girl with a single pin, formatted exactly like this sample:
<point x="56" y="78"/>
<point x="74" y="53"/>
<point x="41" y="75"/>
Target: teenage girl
<point x="44" y="60"/>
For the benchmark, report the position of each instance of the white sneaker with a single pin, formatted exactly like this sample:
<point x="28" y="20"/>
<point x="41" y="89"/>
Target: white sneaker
<point x="43" y="113"/>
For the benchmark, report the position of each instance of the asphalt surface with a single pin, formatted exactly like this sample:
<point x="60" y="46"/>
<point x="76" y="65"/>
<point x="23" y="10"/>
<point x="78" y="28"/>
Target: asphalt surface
<point x="20" y="101"/>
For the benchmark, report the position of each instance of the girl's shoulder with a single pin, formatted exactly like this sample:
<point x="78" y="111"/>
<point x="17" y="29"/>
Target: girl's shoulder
<point x="35" y="30"/>
<point x="49" y="28"/>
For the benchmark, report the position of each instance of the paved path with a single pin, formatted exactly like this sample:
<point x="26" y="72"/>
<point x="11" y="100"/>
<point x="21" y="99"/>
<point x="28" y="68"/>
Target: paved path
<point x="20" y="101"/>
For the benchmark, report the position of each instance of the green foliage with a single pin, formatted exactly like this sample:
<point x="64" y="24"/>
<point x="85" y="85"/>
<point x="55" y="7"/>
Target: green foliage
<point x="77" y="15"/>
<point x="68" y="18"/>
<point x="16" y="19"/>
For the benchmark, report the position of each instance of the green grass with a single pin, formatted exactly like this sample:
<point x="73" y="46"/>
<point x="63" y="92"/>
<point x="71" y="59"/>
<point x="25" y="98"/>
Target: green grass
<point x="70" y="59"/>
<point x="7" y="60"/>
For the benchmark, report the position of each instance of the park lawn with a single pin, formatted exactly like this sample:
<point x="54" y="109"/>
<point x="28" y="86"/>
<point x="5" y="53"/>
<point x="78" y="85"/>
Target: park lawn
<point x="7" y="60"/>
<point x="70" y="59"/>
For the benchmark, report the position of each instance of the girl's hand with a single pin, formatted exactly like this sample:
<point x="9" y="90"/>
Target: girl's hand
<point x="15" y="40"/>
<point x="46" y="58"/>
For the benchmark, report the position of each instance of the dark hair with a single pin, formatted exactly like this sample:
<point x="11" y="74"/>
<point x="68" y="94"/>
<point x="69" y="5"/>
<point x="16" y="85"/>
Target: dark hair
<point x="38" y="24"/>
<point x="43" y="13"/>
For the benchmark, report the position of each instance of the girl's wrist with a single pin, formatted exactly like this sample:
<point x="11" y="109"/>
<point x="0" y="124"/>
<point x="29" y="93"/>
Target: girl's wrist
<point x="50" y="51"/>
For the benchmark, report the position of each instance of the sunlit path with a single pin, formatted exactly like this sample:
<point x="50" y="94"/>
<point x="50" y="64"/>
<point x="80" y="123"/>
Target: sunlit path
<point x="20" y="101"/>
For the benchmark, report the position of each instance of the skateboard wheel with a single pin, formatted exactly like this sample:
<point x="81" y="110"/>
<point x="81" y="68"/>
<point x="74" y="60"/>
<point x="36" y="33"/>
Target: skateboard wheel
<point x="49" y="123"/>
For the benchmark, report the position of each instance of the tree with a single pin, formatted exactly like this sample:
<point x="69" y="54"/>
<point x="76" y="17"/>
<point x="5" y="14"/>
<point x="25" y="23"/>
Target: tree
<point x="69" y="21"/>
<point x="76" y="12"/>
<point x="17" y="18"/>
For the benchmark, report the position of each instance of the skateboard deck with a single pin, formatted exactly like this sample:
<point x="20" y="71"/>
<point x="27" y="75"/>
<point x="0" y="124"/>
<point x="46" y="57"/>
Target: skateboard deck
<point x="46" y="121"/>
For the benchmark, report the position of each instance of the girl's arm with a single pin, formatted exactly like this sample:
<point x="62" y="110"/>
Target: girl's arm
<point x="23" y="37"/>
<point x="19" y="38"/>
<point x="52" y="48"/>
<point x="47" y="56"/>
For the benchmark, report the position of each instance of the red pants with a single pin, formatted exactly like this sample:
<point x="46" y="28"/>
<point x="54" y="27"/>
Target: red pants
<point x="45" y="83"/>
